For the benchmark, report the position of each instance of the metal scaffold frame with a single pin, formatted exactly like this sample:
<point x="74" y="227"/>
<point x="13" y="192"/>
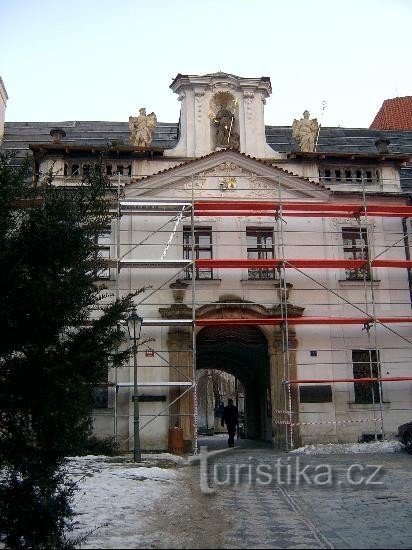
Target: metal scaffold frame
<point x="367" y="318"/>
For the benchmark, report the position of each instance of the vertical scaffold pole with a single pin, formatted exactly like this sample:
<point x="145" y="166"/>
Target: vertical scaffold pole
<point x="117" y="293"/>
<point x="375" y="339"/>
<point x="284" y="326"/>
<point x="194" y="390"/>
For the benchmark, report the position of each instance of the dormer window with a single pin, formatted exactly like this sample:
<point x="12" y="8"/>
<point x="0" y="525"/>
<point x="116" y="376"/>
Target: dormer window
<point x="355" y="175"/>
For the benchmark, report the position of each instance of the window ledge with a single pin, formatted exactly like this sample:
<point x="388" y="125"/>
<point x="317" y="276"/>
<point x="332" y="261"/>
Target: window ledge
<point x="203" y="282"/>
<point x="259" y="282"/>
<point x="369" y="406"/>
<point x="359" y="283"/>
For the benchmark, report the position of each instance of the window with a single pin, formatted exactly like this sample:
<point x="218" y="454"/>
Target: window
<point x="202" y="248"/>
<point x="349" y="174"/>
<point x="355" y="247"/>
<point x="260" y="246"/>
<point x="365" y="365"/>
<point x="100" y="393"/>
<point x="103" y="251"/>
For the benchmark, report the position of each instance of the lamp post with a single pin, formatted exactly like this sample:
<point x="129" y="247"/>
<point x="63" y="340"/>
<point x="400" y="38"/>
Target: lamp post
<point x="134" y="324"/>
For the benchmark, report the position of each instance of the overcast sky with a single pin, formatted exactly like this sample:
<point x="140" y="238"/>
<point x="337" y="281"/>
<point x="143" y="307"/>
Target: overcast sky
<point x="103" y="59"/>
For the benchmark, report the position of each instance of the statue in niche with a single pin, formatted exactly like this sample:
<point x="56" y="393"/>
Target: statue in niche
<point x="142" y="127"/>
<point x="224" y="121"/>
<point x="305" y="132"/>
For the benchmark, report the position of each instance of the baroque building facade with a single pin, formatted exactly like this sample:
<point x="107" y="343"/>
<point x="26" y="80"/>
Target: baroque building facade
<point x="278" y="255"/>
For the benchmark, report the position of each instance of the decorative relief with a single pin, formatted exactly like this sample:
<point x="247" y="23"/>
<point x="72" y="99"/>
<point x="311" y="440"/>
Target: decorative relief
<point x="248" y="100"/>
<point x="225" y="177"/>
<point x="199" y="104"/>
<point x="197" y="183"/>
<point x="227" y="184"/>
<point x="262" y="187"/>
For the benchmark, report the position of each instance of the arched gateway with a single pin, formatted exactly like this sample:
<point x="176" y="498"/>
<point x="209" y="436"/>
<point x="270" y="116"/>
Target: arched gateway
<point x="242" y="352"/>
<point x="254" y="353"/>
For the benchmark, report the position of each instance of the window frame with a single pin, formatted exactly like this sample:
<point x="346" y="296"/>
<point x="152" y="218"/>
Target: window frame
<point x="100" y="392"/>
<point x="206" y="251"/>
<point x="261" y="252"/>
<point x="356" y="252"/>
<point x="362" y="369"/>
<point x="103" y="247"/>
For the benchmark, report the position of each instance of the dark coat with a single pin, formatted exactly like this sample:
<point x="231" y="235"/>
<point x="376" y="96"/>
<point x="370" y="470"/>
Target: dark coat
<point x="230" y="416"/>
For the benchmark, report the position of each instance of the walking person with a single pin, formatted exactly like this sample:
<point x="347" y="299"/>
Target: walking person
<point x="230" y="418"/>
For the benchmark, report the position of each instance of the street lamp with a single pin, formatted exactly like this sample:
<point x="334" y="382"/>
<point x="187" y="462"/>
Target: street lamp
<point x="134" y="324"/>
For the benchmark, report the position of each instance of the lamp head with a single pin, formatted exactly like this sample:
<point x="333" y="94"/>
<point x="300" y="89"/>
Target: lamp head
<point x="134" y="324"/>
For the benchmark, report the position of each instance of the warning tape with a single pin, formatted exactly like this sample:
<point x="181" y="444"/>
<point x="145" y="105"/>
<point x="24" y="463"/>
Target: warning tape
<point x="326" y="422"/>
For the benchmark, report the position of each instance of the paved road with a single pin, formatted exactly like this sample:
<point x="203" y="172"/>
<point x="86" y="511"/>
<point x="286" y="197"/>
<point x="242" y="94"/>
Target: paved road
<point x="264" y="499"/>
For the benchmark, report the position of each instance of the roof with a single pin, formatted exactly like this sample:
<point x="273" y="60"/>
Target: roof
<point x="395" y="114"/>
<point x="18" y="136"/>
<point x="342" y="140"/>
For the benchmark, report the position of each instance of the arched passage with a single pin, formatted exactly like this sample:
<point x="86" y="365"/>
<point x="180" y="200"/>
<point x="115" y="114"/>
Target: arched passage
<point x="243" y="352"/>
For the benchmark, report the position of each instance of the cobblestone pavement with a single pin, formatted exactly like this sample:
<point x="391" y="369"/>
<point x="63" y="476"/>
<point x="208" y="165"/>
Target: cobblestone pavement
<point x="268" y="499"/>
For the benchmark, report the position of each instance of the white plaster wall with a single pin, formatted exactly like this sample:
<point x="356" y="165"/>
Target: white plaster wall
<point x="3" y="104"/>
<point x="303" y="237"/>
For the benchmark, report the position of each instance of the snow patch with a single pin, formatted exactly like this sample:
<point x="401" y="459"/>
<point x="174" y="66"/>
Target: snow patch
<point x="374" y="447"/>
<point x="143" y="473"/>
<point x="117" y="499"/>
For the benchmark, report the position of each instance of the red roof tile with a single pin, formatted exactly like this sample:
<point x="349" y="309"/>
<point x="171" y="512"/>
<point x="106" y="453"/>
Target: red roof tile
<point x="395" y="114"/>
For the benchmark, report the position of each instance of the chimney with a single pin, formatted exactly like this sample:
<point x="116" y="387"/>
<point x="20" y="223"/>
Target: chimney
<point x="3" y="102"/>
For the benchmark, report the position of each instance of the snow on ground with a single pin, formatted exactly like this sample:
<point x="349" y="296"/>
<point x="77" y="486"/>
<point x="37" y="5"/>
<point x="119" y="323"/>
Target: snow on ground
<point x="121" y="502"/>
<point x="118" y="499"/>
<point x="346" y="448"/>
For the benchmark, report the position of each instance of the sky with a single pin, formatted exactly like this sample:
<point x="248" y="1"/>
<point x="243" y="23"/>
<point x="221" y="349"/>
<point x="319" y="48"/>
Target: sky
<point x="102" y="59"/>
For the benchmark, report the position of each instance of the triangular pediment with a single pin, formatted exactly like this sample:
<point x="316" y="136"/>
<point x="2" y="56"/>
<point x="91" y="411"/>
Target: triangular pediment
<point x="225" y="175"/>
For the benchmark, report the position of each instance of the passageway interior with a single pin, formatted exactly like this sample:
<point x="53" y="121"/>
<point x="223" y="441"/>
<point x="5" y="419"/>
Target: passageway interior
<point x="241" y="352"/>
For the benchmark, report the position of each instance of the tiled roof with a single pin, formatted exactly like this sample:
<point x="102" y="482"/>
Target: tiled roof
<point x="342" y="140"/>
<point x="395" y="114"/>
<point x="18" y="136"/>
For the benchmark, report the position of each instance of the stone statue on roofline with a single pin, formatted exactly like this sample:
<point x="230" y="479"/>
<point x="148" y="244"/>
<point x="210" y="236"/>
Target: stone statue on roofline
<point x="305" y="132"/>
<point x="142" y="127"/>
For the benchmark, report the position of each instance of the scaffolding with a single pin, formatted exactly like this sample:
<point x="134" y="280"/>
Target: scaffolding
<point x="373" y="325"/>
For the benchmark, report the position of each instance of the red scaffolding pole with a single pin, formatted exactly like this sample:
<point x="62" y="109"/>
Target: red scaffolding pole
<point x="310" y="263"/>
<point x="303" y="321"/>
<point x="357" y="380"/>
<point x="250" y="208"/>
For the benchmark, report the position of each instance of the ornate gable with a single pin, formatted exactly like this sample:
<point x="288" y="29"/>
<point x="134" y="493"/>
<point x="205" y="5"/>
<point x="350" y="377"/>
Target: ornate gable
<point x="227" y="174"/>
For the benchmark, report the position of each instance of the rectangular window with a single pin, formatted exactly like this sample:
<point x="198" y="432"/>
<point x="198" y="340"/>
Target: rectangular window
<point x="103" y="251"/>
<point x="202" y="250"/>
<point x="365" y="365"/>
<point x="100" y="392"/>
<point x="260" y="246"/>
<point x="355" y="247"/>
